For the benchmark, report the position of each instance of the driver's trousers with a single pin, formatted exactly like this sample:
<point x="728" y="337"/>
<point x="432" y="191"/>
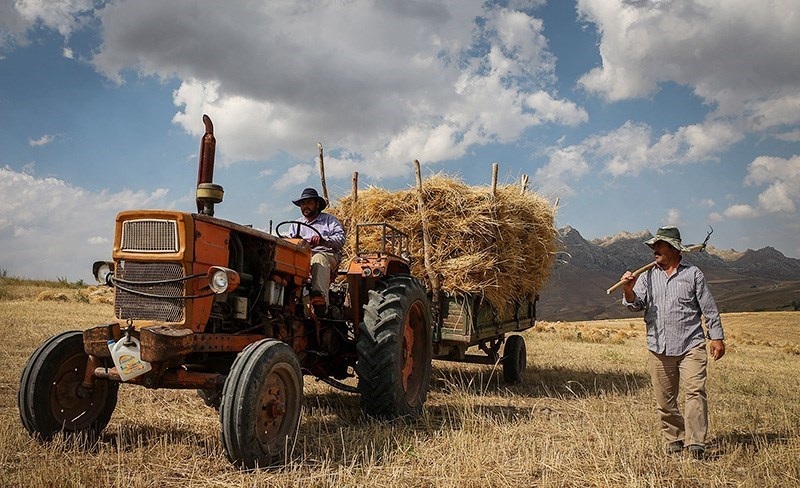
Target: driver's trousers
<point x="323" y="267"/>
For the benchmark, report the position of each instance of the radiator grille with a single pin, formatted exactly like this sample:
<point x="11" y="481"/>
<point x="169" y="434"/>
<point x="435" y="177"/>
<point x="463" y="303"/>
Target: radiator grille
<point x="150" y="235"/>
<point x="129" y="305"/>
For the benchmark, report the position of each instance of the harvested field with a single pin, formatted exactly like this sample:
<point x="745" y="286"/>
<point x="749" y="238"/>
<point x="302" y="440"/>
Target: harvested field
<point x="582" y="416"/>
<point x="500" y="247"/>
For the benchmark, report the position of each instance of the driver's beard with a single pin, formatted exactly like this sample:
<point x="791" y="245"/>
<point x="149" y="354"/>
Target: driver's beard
<point x="310" y="214"/>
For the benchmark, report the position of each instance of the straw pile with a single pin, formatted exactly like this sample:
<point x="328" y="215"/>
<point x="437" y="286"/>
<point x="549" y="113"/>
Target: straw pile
<point x="501" y="248"/>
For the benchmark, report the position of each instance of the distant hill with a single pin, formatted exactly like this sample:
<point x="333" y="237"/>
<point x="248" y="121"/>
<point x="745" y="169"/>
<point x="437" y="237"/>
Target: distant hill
<point x="749" y="281"/>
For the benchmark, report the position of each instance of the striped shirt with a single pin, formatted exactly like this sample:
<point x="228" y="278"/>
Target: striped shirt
<point x="673" y="306"/>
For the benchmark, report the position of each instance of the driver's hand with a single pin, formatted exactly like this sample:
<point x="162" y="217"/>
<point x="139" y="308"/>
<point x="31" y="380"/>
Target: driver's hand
<point x="314" y="240"/>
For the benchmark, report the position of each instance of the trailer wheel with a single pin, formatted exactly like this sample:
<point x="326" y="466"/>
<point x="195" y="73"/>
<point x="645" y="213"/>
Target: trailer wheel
<point x="260" y="408"/>
<point x="515" y="359"/>
<point x="394" y="348"/>
<point x="50" y="397"/>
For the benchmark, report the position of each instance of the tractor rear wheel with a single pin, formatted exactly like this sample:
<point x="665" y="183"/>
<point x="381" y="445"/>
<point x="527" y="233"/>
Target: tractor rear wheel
<point x="261" y="400"/>
<point x="51" y="398"/>
<point x="394" y="348"/>
<point x="515" y="359"/>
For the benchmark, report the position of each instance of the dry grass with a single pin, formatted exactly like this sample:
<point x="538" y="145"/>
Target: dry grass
<point x="500" y="247"/>
<point x="583" y="416"/>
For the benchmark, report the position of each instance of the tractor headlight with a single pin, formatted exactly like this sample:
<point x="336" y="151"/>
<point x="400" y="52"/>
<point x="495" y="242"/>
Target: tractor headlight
<point x="103" y="271"/>
<point x="222" y="280"/>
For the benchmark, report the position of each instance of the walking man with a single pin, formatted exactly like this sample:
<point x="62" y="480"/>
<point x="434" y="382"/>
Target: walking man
<point x="674" y="296"/>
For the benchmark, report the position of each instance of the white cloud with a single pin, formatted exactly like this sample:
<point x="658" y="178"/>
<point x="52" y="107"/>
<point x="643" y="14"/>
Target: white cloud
<point x="791" y="136"/>
<point x="297" y="174"/>
<point x="707" y="203"/>
<point x="42" y="141"/>
<point x="741" y="211"/>
<point x="707" y="45"/>
<point x="766" y="169"/>
<point x="42" y="215"/>
<point x="672" y="217"/>
<point x="404" y="81"/>
<point x="782" y="177"/>
<point x="563" y="166"/>
<point x="632" y="148"/>
<point x="65" y="16"/>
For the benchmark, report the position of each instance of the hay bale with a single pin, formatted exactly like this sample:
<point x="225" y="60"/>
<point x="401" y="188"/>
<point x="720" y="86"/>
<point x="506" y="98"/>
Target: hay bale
<point x="52" y="296"/>
<point x="501" y="248"/>
<point x="98" y="294"/>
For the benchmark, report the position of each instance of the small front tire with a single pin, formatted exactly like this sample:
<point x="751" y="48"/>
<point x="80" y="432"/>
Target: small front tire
<point x="261" y="402"/>
<point x="51" y="398"/>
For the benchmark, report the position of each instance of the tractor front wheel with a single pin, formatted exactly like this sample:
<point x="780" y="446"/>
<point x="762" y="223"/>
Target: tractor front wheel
<point x="394" y="348"/>
<point x="260" y="408"/>
<point x="51" y="398"/>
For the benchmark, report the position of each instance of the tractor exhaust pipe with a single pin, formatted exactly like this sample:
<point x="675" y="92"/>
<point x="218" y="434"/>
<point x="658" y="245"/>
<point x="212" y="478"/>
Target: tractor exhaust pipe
<point x="208" y="194"/>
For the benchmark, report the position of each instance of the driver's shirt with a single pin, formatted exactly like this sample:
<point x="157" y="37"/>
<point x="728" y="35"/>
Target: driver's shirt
<point x="330" y="228"/>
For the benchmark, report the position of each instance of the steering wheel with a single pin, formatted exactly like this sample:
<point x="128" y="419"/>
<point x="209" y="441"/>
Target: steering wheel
<point x="278" y="232"/>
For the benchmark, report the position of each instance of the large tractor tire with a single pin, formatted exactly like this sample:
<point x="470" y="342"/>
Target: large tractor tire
<point x="51" y="399"/>
<point x="260" y="408"/>
<point x="394" y="348"/>
<point x="515" y="359"/>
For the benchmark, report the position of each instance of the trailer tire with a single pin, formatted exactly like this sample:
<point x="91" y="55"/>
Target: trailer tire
<point x="395" y="348"/>
<point x="50" y="397"/>
<point x="515" y="359"/>
<point x="261" y="402"/>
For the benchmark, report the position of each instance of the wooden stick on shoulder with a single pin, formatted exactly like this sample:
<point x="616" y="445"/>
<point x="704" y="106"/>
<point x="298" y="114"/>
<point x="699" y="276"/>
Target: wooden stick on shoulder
<point x="635" y="273"/>
<point x="696" y="247"/>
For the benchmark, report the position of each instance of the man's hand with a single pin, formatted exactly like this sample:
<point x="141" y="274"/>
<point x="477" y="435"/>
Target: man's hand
<point x="717" y="349"/>
<point x="315" y="240"/>
<point x="628" y="279"/>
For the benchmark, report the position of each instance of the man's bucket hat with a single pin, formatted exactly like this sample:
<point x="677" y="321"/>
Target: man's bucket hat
<point x="669" y="234"/>
<point x="311" y="193"/>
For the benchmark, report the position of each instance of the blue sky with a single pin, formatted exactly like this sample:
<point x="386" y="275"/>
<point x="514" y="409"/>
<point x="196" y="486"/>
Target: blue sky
<point x="633" y="114"/>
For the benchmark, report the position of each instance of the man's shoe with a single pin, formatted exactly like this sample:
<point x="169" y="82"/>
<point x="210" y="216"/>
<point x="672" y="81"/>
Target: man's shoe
<point x="675" y="447"/>
<point x="697" y="451"/>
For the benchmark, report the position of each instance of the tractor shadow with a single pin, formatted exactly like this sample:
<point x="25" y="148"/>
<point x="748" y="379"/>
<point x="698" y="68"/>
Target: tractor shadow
<point x="334" y="428"/>
<point x="131" y="438"/>
<point x="537" y="382"/>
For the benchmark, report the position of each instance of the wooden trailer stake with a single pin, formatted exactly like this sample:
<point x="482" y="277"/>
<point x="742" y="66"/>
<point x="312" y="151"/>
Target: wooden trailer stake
<point x="495" y="167"/>
<point x="322" y="173"/>
<point x="426" y="244"/>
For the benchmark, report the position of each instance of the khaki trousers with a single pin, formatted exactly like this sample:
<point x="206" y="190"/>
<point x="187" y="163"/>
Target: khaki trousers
<point x="667" y="373"/>
<point x="322" y="264"/>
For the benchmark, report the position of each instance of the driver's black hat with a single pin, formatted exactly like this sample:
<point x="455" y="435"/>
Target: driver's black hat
<point x="311" y="193"/>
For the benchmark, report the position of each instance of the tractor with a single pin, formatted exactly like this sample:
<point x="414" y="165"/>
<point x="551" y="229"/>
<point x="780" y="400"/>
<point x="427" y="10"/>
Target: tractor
<point x="222" y="308"/>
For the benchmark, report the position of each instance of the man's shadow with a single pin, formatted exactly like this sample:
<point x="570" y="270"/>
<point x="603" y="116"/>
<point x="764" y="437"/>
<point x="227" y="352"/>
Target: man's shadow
<point x="729" y="442"/>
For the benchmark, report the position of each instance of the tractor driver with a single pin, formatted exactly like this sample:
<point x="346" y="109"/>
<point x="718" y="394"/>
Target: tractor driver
<point x="327" y="249"/>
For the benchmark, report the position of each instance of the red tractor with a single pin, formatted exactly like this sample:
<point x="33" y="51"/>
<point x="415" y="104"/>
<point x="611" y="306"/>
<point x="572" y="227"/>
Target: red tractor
<point x="207" y="304"/>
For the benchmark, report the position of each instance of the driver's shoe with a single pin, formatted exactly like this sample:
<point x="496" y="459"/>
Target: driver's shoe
<point x="318" y="304"/>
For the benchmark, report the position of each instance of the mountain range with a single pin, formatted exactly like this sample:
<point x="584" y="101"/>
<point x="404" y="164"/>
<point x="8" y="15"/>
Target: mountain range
<point x="748" y="281"/>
